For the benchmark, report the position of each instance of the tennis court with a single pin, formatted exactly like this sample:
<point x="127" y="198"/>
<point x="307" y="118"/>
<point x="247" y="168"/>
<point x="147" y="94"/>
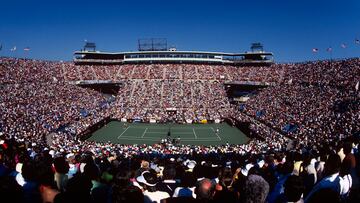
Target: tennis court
<point x="145" y="133"/>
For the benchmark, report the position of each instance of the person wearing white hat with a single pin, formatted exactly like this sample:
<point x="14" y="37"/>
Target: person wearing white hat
<point x="148" y="182"/>
<point x="247" y="168"/>
<point x="190" y="164"/>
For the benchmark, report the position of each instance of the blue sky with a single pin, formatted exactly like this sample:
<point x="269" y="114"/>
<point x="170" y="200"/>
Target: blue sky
<point x="53" y="29"/>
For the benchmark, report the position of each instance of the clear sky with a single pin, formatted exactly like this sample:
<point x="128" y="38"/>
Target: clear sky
<point x="53" y="29"/>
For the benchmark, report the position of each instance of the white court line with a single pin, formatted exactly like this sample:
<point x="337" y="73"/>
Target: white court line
<point x="197" y="128"/>
<point x="150" y="127"/>
<point x="186" y="139"/>
<point x="201" y="138"/>
<point x="139" y="138"/>
<point x="172" y="128"/>
<point x="142" y="136"/>
<point x="195" y="134"/>
<point x="186" y="133"/>
<point x="124" y="131"/>
<point x="150" y="139"/>
<point x="215" y="133"/>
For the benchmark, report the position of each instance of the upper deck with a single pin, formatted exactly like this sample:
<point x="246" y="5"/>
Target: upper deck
<point x="97" y="57"/>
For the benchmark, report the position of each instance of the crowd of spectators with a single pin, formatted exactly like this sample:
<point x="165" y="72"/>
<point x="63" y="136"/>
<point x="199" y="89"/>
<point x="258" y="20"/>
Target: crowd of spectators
<point x="318" y="101"/>
<point x="33" y="110"/>
<point x="308" y="118"/>
<point x="307" y="101"/>
<point x="154" y="99"/>
<point x="167" y="173"/>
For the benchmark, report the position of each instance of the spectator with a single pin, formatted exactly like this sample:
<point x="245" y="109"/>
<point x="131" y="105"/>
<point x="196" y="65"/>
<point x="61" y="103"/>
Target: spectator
<point x="187" y="186"/>
<point x="168" y="183"/>
<point x="332" y="179"/>
<point x="294" y="190"/>
<point x="256" y="189"/>
<point x="205" y="190"/>
<point x="148" y="181"/>
<point x="61" y="169"/>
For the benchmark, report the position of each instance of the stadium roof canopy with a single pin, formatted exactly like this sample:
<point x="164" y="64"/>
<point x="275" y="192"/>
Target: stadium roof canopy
<point x="173" y="56"/>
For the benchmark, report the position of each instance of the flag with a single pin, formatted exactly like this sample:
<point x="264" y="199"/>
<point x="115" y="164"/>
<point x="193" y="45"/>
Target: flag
<point x="315" y="50"/>
<point x="343" y="45"/>
<point x="357" y="86"/>
<point x="0" y="47"/>
<point x="357" y="41"/>
<point x="13" y="49"/>
<point x="27" y="49"/>
<point x="329" y="49"/>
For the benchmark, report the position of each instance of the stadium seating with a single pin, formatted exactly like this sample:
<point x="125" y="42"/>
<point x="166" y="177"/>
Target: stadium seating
<point x="308" y="119"/>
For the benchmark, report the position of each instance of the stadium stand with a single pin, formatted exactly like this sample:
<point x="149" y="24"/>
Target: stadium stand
<point x="313" y="107"/>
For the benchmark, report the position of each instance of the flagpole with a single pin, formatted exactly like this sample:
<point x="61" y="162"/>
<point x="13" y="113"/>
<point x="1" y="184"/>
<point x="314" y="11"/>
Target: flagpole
<point x="331" y="58"/>
<point x="357" y="41"/>
<point x="26" y="52"/>
<point x="344" y="46"/>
